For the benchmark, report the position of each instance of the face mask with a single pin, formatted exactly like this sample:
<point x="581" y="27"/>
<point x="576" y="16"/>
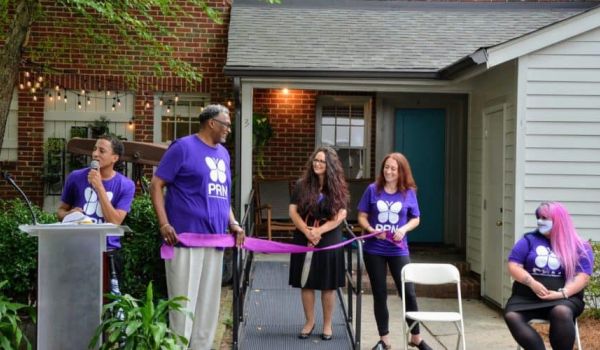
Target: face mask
<point x="544" y="226"/>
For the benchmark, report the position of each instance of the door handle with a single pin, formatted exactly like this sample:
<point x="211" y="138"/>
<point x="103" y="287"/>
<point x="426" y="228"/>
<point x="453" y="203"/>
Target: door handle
<point x="498" y="223"/>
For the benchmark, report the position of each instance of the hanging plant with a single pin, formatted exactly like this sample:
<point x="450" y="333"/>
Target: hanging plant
<point x="262" y="132"/>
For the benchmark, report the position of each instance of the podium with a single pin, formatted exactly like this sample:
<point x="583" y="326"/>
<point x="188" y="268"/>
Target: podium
<point x="69" y="282"/>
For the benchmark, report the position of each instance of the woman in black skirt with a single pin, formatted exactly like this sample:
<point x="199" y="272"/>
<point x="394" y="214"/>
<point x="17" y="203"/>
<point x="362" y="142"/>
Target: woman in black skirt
<point x="551" y="267"/>
<point x="317" y="209"/>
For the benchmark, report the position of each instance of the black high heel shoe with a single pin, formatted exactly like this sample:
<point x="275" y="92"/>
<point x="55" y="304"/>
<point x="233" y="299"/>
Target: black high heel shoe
<point x="306" y="335"/>
<point x="326" y="336"/>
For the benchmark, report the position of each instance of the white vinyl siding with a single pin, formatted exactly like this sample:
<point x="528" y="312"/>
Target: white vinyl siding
<point x="562" y="131"/>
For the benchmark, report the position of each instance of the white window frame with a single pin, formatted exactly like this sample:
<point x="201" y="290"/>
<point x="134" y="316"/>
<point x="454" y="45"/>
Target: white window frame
<point x="9" y="150"/>
<point x="342" y="101"/>
<point x="169" y="100"/>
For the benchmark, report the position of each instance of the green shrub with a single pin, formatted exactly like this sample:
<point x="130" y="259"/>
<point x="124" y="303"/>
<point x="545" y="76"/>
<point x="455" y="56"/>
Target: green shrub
<point x="141" y="251"/>
<point x="11" y="335"/>
<point x="129" y="323"/>
<point x="592" y="292"/>
<point x="18" y="251"/>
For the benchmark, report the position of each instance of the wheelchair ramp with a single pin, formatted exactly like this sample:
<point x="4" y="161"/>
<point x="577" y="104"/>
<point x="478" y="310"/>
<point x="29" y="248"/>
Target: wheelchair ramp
<point x="273" y="314"/>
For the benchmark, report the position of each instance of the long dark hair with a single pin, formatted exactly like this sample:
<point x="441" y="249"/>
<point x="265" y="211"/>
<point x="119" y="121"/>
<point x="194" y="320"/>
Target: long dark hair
<point x="334" y="188"/>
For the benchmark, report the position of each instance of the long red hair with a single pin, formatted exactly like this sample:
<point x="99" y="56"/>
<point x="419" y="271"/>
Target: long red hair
<point x="405" y="176"/>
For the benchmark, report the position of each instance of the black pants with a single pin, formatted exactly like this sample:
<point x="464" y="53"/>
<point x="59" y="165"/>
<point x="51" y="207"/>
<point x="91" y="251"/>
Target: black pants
<point x="376" y="268"/>
<point x="562" y="327"/>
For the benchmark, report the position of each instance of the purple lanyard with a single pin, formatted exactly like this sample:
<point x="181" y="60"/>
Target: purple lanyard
<point x="203" y="240"/>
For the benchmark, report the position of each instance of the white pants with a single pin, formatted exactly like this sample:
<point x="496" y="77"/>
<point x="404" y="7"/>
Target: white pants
<point x="196" y="274"/>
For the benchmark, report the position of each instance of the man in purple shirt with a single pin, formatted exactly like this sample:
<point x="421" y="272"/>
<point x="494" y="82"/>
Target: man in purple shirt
<point x="102" y="194"/>
<point x="196" y="173"/>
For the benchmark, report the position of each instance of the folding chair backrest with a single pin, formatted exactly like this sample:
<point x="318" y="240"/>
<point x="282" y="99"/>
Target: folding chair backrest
<point x="275" y="192"/>
<point x="431" y="273"/>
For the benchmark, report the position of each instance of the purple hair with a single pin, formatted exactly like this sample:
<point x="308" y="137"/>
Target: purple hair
<point x="565" y="242"/>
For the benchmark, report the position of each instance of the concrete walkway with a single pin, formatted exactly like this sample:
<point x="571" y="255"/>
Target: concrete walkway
<point x="484" y="326"/>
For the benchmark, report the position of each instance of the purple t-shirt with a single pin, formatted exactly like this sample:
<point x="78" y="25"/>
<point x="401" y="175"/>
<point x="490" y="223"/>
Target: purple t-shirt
<point x="198" y="181"/>
<point x="388" y="212"/>
<point x="78" y="193"/>
<point x="537" y="257"/>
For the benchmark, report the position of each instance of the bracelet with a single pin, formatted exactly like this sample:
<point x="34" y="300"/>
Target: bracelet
<point x="235" y="223"/>
<point x="562" y="290"/>
<point x="163" y="226"/>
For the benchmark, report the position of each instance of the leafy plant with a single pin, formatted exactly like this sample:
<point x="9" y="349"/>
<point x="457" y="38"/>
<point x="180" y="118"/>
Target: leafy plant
<point x="141" y="250"/>
<point x="99" y="126"/>
<point x="592" y="291"/>
<point x="130" y="323"/>
<point x="11" y="336"/>
<point x="262" y="132"/>
<point x="18" y="251"/>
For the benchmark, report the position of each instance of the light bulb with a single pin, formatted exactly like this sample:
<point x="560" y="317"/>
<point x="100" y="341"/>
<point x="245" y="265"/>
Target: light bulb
<point x="176" y="98"/>
<point x="37" y="85"/>
<point x="161" y="102"/>
<point x="28" y="84"/>
<point x="57" y="88"/>
<point x="147" y="105"/>
<point x="26" y="74"/>
<point x="79" y="104"/>
<point x="107" y="92"/>
<point x="89" y="101"/>
<point x="21" y="86"/>
<point x="65" y="97"/>
<point x="40" y="78"/>
<point x="113" y="107"/>
<point x="33" y="90"/>
<point x="119" y="102"/>
<point x="35" y="97"/>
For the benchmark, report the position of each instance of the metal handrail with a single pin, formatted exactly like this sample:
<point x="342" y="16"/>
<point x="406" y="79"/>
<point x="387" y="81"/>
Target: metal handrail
<point x="242" y="263"/>
<point x="354" y="289"/>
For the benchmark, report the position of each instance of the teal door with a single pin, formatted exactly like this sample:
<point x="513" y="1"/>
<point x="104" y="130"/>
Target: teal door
<point x="420" y="134"/>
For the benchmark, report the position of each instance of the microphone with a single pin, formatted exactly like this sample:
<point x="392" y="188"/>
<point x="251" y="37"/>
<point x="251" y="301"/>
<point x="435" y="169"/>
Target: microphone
<point x="94" y="164"/>
<point x="10" y="180"/>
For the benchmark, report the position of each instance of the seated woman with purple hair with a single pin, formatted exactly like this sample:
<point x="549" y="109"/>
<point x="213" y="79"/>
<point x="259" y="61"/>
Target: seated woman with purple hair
<point x="550" y="266"/>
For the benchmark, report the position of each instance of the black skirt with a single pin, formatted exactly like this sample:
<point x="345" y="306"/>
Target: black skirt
<point x="523" y="298"/>
<point x="326" y="267"/>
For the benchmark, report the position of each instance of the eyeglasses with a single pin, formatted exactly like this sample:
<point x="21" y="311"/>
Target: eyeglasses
<point x="319" y="161"/>
<point x="225" y="124"/>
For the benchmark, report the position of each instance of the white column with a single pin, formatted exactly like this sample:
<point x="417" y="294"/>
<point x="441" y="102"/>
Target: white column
<point x="245" y="174"/>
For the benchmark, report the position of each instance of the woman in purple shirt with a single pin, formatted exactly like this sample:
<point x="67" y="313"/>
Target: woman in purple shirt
<point x="550" y="266"/>
<point x="390" y="206"/>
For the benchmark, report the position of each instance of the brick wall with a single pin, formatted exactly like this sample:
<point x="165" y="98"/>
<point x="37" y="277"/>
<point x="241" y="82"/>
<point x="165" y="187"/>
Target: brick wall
<point x="292" y="117"/>
<point x="200" y="41"/>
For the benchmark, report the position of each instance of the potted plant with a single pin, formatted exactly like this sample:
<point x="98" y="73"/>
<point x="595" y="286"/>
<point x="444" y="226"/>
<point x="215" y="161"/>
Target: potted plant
<point x="130" y="323"/>
<point x="99" y="127"/>
<point x="11" y="335"/>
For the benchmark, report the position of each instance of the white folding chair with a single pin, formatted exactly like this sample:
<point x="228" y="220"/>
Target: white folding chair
<point x="542" y="321"/>
<point x="432" y="274"/>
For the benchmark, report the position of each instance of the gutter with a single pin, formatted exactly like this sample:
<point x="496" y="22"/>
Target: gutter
<point x="455" y="69"/>
<point x="241" y="71"/>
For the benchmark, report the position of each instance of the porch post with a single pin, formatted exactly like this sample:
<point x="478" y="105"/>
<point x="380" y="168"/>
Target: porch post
<point x="245" y="169"/>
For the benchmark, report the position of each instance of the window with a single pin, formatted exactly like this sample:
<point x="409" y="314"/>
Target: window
<point x="343" y="123"/>
<point x="10" y="143"/>
<point x="177" y="116"/>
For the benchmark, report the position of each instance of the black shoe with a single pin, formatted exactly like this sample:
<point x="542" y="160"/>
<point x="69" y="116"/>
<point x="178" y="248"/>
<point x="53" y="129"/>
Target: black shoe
<point x="381" y="346"/>
<point x="306" y="335"/>
<point x="326" y="336"/>
<point x="421" y="346"/>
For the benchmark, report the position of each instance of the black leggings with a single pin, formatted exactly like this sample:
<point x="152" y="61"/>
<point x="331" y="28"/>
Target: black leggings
<point x="562" y="327"/>
<point x="376" y="268"/>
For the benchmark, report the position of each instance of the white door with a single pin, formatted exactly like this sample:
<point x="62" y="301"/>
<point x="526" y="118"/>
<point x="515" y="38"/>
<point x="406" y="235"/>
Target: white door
<point x="493" y="182"/>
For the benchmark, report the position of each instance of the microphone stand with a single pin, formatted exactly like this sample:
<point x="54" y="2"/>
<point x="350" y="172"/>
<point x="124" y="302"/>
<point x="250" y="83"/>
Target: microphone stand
<point x="10" y="180"/>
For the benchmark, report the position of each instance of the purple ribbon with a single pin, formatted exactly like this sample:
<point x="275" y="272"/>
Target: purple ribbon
<point x="203" y="240"/>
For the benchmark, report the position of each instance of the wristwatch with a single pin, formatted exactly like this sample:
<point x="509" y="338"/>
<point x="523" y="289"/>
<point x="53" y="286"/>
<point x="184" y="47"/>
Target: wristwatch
<point x="562" y="290"/>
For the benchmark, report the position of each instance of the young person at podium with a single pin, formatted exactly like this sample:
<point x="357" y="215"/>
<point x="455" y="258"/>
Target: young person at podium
<point x="195" y="170"/>
<point x="100" y="193"/>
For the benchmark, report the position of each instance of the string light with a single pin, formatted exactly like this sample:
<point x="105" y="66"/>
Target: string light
<point x="57" y="87"/>
<point x="26" y="74"/>
<point x="176" y="98"/>
<point x="28" y="84"/>
<point x="21" y="86"/>
<point x="168" y="109"/>
<point x="119" y="102"/>
<point x="33" y="90"/>
<point x="107" y="92"/>
<point x="228" y="103"/>
<point x="58" y="96"/>
<point x="113" y="107"/>
<point x="78" y="104"/>
<point x="40" y="78"/>
<point x="37" y="85"/>
<point x="65" y="97"/>
<point x="83" y="91"/>
<point x="161" y="102"/>
<point x="35" y="97"/>
<point x="147" y="105"/>
<point x="89" y="102"/>
<point x="50" y="97"/>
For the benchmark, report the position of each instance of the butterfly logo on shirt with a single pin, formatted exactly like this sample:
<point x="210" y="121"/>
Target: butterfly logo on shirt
<point x="92" y="205"/>
<point x="389" y="211"/>
<point x="217" y="169"/>
<point x="546" y="257"/>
